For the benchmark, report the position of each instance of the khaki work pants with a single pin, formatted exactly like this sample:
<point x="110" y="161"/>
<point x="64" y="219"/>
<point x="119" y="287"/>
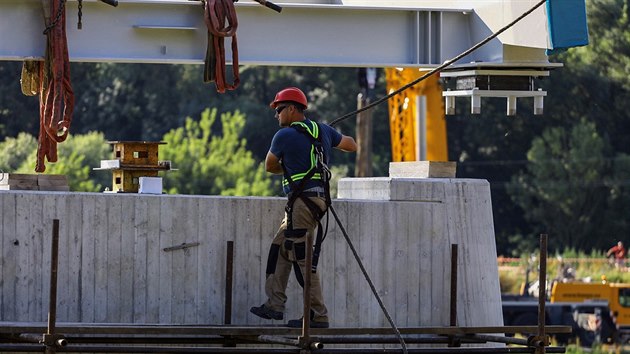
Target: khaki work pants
<point x="276" y="282"/>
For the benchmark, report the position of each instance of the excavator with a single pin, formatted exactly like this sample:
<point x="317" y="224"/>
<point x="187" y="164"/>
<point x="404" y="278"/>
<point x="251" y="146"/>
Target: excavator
<point x="408" y="37"/>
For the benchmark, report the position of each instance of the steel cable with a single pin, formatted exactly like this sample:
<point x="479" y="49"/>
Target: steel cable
<point x="367" y="278"/>
<point x="439" y="68"/>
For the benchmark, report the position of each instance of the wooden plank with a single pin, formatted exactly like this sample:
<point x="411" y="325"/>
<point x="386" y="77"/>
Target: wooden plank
<point x="248" y="240"/>
<point x="72" y="222"/>
<point x="190" y="255"/>
<point x="206" y="234"/>
<point x="361" y="299"/>
<point x="23" y="260"/>
<point x="127" y="242"/>
<point x="101" y="235"/>
<point x="11" y="178"/>
<point x="402" y="260"/>
<point x="18" y="187"/>
<point x="417" y="222"/>
<point x="89" y="234"/>
<point x="212" y="256"/>
<point x="140" y="259"/>
<point x="153" y="254"/>
<point x="114" y="258"/>
<point x="18" y="181"/>
<point x="341" y="263"/>
<point x="48" y="207"/>
<point x="9" y="257"/>
<point x="236" y="229"/>
<point x="178" y="264"/>
<point x="52" y="181"/>
<point x="166" y="260"/>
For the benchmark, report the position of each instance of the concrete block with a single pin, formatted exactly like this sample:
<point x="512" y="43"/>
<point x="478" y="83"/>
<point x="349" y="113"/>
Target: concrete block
<point x="150" y="185"/>
<point x="400" y="189"/>
<point x="423" y="169"/>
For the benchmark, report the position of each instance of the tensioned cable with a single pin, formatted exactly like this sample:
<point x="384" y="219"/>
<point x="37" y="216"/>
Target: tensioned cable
<point x="439" y="68"/>
<point x="383" y="99"/>
<point x="367" y="277"/>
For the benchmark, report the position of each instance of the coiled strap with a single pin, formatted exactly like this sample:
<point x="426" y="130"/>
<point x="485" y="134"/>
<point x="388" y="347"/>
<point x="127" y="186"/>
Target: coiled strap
<point x="216" y="14"/>
<point x="56" y="97"/>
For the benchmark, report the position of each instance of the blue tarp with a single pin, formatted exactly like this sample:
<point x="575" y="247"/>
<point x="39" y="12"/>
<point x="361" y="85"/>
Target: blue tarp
<point x="567" y="24"/>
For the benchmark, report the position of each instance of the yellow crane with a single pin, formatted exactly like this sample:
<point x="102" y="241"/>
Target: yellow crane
<point x="416" y="117"/>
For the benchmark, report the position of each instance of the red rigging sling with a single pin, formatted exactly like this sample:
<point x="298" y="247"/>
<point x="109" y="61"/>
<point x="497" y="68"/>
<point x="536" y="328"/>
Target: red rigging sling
<point x="55" y="90"/>
<point x="216" y="13"/>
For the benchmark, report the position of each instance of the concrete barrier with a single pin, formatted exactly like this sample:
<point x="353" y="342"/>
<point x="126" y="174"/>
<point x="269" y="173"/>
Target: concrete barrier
<point x="119" y="264"/>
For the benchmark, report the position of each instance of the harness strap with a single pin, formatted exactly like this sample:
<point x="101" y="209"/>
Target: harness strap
<point x="297" y="189"/>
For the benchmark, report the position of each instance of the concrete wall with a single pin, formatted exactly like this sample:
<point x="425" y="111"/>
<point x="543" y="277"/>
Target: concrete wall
<point x="113" y="267"/>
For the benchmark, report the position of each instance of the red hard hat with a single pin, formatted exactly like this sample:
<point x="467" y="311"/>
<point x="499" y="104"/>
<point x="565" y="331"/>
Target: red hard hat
<point x="293" y="94"/>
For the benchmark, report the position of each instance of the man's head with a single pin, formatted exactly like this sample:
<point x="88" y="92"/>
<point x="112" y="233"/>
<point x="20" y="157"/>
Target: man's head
<point x="289" y="104"/>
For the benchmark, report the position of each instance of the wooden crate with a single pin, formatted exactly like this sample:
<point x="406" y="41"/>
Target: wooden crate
<point x="129" y="181"/>
<point x="142" y="153"/>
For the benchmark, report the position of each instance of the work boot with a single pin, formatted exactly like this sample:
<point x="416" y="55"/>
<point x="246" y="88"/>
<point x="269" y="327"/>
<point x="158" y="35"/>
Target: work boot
<point x="314" y="324"/>
<point x="266" y="313"/>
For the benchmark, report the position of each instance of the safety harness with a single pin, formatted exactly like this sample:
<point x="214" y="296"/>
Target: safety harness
<point x="297" y="182"/>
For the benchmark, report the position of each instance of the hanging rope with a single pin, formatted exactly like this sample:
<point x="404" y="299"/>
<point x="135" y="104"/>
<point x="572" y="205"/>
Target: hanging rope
<point x="439" y="68"/>
<point x="216" y="14"/>
<point x="56" y="98"/>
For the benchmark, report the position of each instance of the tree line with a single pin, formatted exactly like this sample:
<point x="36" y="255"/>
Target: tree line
<point x="565" y="173"/>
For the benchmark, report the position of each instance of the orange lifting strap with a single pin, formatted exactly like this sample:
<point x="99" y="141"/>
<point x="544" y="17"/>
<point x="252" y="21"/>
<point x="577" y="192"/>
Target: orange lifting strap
<point x="216" y="13"/>
<point x="56" y="98"/>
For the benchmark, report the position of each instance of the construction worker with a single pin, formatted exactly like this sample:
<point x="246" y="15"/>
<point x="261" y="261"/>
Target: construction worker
<point x="618" y="252"/>
<point x="299" y="151"/>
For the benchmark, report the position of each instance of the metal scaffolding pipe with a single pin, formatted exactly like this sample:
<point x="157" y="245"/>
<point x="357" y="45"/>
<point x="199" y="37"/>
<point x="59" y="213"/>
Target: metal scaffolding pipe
<point x="279" y="340"/>
<point x="153" y="349"/>
<point x="498" y="339"/>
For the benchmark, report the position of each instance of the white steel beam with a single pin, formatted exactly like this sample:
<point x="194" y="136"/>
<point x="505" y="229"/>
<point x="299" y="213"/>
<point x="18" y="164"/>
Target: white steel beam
<point x="308" y="33"/>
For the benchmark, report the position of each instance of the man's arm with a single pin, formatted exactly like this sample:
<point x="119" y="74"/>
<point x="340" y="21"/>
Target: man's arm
<point x="347" y="144"/>
<point x="272" y="164"/>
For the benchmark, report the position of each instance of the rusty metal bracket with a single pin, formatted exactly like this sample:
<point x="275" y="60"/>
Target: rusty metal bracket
<point x="181" y="247"/>
<point x="54" y="340"/>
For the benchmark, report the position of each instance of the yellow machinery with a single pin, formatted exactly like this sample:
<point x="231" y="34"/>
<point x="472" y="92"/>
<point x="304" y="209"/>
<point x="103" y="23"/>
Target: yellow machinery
<point x="616" y="294"/>
<point x="416" y="117"/>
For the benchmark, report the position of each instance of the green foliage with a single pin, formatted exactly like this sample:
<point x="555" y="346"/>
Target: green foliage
<point x="77" y="156"/>
<point x="18" y="113"/>
<point x="608" y="52"/>
<point x="213" y="164"/>
<point x="560" y="164"/>
<point x="13" y="151"/>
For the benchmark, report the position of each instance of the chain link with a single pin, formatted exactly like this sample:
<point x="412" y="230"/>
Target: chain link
<point x="79" y="24"/>
<point x="57" y="18"/>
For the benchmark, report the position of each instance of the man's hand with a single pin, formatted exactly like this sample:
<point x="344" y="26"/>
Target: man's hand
<point x="347" y="144"/>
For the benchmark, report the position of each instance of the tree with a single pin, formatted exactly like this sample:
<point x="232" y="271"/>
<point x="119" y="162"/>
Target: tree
<point x="213" y="164"/>
<point x="77" y="156"/>
<point x="18" y="113"/>
<point x="13" y="151"/>
<point x="564" y="190"/>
